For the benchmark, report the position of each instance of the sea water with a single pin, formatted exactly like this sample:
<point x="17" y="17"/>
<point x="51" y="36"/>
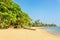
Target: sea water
<point x="53" y="30"/>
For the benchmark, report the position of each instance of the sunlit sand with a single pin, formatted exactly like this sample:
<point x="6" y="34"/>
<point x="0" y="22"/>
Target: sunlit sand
<point x="25" y="34"/>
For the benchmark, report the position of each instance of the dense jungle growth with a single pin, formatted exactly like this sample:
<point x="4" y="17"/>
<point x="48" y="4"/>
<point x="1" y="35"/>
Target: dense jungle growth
<point x="11" y="15"/>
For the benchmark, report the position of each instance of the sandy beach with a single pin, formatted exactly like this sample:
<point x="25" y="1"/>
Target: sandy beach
<point x="24" y="34"/>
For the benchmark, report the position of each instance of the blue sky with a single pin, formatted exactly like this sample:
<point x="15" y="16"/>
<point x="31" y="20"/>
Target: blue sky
<point x="48" y="11"/>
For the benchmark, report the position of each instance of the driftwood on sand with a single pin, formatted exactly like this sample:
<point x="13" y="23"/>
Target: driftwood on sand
<point x="30" y="28"/>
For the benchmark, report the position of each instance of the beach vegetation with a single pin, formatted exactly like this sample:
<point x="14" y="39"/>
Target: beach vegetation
<point x="12" y="15"/>
<point x="38" y="23"/>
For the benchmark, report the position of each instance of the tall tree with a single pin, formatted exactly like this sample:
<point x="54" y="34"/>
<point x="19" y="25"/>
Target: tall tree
<point x="11" y="14"/>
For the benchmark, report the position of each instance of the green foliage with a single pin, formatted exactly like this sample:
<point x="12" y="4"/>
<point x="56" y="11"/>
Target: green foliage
<point x="38" y="23"/>
<point x="11" y="14"/>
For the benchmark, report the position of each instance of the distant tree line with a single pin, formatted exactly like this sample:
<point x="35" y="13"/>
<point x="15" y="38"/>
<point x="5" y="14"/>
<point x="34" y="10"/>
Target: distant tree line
<point x="37" y="23"/>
